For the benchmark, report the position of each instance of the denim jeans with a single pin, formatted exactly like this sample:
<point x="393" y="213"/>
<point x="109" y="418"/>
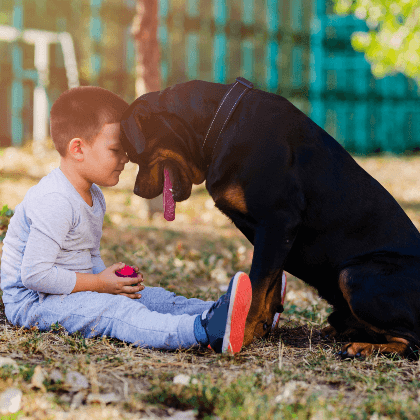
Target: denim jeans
<point x="159" y="319"/>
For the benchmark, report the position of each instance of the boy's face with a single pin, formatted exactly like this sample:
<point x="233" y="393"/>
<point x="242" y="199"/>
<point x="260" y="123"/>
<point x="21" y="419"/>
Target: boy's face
<point x="105" y="158"/>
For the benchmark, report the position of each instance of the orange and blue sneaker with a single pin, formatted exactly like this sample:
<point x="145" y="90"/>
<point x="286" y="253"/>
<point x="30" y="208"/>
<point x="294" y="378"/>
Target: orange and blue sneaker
<point x="224" y="322"/>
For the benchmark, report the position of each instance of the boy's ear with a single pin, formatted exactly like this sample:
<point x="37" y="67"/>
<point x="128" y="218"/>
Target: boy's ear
<point x="75" y="149"/>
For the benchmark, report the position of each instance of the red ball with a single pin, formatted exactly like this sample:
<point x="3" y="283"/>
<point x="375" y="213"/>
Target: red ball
<point x="127" y="271"/>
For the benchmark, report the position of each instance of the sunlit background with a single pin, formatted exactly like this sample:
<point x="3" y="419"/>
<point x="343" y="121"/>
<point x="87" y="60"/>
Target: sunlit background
<point x="301" y="49"/>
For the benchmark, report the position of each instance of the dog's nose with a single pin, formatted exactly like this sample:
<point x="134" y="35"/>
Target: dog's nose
<point x="136" y="190"/>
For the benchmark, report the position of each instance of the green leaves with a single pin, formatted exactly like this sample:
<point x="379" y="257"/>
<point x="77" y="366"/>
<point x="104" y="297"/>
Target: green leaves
<point x="393" y="41"/>
<point x="5" y="215"/>
<point x="5" y="211"/>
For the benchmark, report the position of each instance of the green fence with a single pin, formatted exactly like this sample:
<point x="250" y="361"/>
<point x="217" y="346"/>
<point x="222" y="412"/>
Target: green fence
<point x="295" y="48"/>
<point x="264" y="41"/>
<point x="363" y="113"/>
<point x="104" y="50"/>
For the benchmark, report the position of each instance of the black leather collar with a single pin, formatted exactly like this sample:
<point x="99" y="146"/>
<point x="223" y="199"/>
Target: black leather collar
<point x="224" y="111"/>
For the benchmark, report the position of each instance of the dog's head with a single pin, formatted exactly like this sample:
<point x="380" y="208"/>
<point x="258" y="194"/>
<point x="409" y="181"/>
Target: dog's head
<point x="165" y="130"/>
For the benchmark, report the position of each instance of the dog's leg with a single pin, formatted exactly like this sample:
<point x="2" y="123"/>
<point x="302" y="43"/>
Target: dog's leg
<point x="338" y="321"/>
<point x="385" y="310"/>
<point x="273" y="298"/>
<point x="272" y="245"/>
<point x="342" y="326"/>
<point x="345" y="327"/>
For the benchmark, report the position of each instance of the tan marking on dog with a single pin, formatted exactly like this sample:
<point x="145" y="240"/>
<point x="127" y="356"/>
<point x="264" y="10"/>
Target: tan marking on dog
<point x="342" y="282"/>
<point x="234" y="195"/>
<point x="395" y="345"/>
<point x="195" y="175"/>
<point x="154" y="174"/>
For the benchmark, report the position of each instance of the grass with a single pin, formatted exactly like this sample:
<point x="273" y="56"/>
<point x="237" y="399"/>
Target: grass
<point x="292" y="374"/>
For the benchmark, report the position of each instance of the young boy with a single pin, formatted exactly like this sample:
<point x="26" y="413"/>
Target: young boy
<point x="51" y="269"/>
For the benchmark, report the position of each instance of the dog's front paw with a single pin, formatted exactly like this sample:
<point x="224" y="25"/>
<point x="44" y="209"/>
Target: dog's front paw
<point x="396" y="345"/>
<point x="352" y="350"/>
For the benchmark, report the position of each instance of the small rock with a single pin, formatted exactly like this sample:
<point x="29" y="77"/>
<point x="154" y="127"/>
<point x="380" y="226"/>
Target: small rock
<point x="56" y="376"/>
<point x="182" y="379"/>
<point x="103" y="398"/>
<point x="220" y="275"/>
<point x="76" y="381"/>
<point x="184" y="415"/>
<point x="291" y="392"/>
<point x="66" y="398"/>
<point x="4" y="361"/>
<point x="38" y="378"/>
<point x="77" y="400"/>
<point x="268" y="379"/>
<point x="10" y="400"/>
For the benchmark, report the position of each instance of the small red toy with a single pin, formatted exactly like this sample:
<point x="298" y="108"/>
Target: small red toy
<point x="127" y="271"/>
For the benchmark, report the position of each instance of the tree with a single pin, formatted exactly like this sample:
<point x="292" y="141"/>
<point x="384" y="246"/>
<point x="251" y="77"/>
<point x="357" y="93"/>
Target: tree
<point x="392" y="43"/>
<point x="145" y="32"/>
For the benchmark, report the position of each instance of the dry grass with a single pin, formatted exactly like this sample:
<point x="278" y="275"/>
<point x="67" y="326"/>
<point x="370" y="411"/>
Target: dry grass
<point x="293" y="374"/>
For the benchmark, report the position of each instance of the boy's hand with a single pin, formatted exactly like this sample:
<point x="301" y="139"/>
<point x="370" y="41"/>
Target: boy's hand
<point x="109" y="282"/>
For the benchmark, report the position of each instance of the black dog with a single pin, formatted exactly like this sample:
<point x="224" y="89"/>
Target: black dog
<point x="300" y="199"/>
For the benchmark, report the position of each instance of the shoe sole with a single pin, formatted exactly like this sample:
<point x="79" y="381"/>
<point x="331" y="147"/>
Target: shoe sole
<point x="240" y="302"/>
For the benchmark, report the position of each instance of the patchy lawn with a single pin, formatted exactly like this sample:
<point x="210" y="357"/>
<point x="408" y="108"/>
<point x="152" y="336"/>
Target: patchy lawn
<point x="293" y="374"/>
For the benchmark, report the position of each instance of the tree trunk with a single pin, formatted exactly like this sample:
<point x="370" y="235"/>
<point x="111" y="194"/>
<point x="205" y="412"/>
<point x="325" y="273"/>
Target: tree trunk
<point x="144" y="30"/>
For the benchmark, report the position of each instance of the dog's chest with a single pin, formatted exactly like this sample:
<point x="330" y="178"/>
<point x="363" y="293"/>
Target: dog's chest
<point x="230" y="197"/>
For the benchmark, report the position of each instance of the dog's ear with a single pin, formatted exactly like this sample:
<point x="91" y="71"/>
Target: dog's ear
<point x="132" y="130"/>
<point x="132" y="137"/>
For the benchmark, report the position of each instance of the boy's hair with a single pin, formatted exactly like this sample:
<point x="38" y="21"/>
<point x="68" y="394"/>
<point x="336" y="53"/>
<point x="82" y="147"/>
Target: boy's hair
<point x="82" y="112"/>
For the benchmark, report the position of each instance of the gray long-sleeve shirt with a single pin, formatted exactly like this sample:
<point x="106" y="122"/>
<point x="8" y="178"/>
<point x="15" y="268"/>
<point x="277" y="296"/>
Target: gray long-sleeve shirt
<point x="53" y="234"/>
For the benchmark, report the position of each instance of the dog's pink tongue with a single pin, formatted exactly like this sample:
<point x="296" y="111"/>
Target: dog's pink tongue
<point x="168" y="200"/>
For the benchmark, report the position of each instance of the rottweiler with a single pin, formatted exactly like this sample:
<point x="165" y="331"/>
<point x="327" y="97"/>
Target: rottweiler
<point x="298" y="196"/>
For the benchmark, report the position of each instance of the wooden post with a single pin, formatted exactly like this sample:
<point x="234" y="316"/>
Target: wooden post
<point x="148" y="79"/>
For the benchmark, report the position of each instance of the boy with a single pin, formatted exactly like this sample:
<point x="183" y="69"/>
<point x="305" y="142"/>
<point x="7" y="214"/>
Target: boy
<point x="51" y="269"/>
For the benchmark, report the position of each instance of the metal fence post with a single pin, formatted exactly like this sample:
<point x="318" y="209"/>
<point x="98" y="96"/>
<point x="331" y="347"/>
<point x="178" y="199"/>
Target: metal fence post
<point x="17" y="84"/>
<point x="95" y="27"/>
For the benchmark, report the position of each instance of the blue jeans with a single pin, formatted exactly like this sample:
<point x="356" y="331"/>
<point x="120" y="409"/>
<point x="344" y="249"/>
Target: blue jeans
<point x="159" y="319"/>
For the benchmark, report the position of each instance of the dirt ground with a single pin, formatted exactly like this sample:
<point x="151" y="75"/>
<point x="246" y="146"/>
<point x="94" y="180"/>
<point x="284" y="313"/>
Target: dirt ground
<point x="291" y="374"/>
